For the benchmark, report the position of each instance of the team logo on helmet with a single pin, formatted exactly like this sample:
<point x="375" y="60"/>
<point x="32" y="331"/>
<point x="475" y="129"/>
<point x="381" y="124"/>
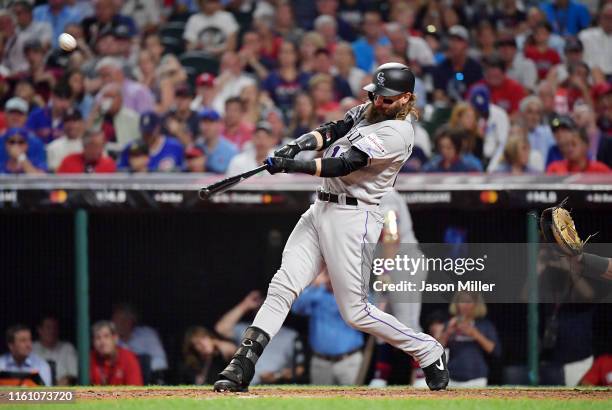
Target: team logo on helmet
<point x="380" y="77"/>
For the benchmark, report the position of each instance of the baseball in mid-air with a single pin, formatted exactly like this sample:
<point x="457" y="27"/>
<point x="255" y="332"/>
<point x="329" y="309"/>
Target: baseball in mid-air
<point x="67" y="42"/>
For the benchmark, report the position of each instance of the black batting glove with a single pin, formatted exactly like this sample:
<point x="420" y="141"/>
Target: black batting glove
<point x="277" y="164"/>
<point x="288" y="151"/>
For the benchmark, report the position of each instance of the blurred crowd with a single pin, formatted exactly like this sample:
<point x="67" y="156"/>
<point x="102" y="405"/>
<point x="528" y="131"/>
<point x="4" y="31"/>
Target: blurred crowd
<point x="215" y="85"/>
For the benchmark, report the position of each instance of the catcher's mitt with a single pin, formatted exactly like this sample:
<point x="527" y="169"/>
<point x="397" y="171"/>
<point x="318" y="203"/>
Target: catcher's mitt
<point x="558" y="227"/>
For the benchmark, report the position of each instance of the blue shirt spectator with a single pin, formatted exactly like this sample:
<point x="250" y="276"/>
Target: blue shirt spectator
<point x="219" y="151"/>
<point x="373" y="32"/>
<point x="568" y="20"/>
<point x="328" y="333"/>
<point x="48" y="122"/>
<point x="165" y="153"/>
<point x="58" y="15"/>
<point x="20" y="357"/>
<point x="35" y="152"/>
<point x="541" y="140"/>
<point x="467" y="360"/>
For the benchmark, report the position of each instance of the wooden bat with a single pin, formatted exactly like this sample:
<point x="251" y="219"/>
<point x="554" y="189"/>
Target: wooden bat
<point x="227" y="183"/>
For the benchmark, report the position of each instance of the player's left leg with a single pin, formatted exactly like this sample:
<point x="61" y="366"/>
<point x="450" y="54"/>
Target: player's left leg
<point x="344" y="231"/>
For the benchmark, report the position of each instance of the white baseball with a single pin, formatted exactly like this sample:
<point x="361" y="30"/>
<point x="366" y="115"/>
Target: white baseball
<point x="67" y="42"/>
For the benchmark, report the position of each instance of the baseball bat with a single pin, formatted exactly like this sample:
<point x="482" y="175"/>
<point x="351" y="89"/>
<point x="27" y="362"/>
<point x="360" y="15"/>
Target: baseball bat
<point x="227" y="183"/>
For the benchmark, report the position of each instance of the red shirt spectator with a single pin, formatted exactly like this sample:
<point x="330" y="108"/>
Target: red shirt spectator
<point x="543" y="59"/>
<point x="600" y="373"/>
<point x="505" y="92"/>
<point x="91" y="160"/>
<point x="563" y="166"/>
<point x="123" y="369"/>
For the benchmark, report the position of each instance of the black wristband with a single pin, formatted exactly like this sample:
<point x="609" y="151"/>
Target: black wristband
<point x="303" y="167"/>
<point x="594" y="266"/>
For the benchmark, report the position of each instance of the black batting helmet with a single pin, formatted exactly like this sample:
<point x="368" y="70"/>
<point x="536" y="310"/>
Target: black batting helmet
<point x="391" y="79"/>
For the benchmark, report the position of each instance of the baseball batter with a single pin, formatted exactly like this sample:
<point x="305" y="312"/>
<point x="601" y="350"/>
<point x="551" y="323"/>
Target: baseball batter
<point x="363" y="154"/>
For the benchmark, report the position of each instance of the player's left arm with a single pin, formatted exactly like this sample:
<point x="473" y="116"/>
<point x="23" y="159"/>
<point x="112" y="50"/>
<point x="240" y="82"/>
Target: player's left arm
<point x="348" y="162"/>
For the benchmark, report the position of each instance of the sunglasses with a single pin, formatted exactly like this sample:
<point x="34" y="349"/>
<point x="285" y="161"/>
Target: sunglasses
<point x="386" y="101"/>
<point x="14" y="141"/>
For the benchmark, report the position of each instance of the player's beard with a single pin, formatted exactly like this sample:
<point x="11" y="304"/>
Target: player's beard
<point x="375" y="114"/>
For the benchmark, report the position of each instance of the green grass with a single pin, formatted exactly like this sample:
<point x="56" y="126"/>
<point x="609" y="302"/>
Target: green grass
<point x="323" y="403"/>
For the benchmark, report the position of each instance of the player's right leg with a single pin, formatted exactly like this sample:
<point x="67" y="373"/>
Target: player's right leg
<point x="301" y="263"/>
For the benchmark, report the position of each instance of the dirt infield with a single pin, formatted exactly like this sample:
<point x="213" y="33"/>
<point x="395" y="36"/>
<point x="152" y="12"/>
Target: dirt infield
<point x="358" y="392"/>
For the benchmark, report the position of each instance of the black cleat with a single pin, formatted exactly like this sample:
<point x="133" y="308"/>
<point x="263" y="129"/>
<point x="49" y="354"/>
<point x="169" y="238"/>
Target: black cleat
<point x="224" y="385"/>
<point x="436" y="374"/>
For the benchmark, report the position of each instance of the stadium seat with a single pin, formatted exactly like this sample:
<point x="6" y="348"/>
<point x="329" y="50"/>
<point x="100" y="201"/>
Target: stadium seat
<point x="197" y="62"/>
<point x="171" y="35"/>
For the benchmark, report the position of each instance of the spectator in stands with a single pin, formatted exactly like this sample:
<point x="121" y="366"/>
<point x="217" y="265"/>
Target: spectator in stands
<point x="324" y="65"/>
<point x="321" y="89"/>
<point x="449" y="158"/>
<point x="584" y="117"/>
<point x="46" y="122"/>
<point x="282" y="361"/>
<point x="536" y="17"/>
<point x="232" y="79"/>
<point x="495" y="123"/>
<point x="486" y="37"/>
<point x="118" y="122"/>
<point x="330" y="8"/>
<point x="251" y="53"/>
<point x="169" y="75"/>
<point x="573" y="55"/>
<point x="373" y="35"/>
<point x="309" y="43"/>
<point x="151" y="42"/>
<point x="20" y="357"/>
<point x="106" y="17"/>
<point x="61" y="354"/>
<point x="135" y="95"/>
<point x="57" y="14"/>
<point x="304" y="118"/>
<point x="284" y="83"/>
<point x="327" y="27"/>
<point x="69" y="143"/>
<point x="600" y="373"/>
<point x="219" y="151"/>
<point x="195" y="159"/>
<point x="602" y="96"/>
<point x="458" y="72"/>
<point x="344" y="67"/>
<point x="567" y="17"/>
<point x="336" y="347"/>
<point x="546" y="93"/>
<point x="41" y="76"/>
<point x="111" y="364"/>
<point x="204" y="356"/>
<point x="516" y="156"/>
<point x="574" y="146"/>
<point x="505" y="92"/>
<point x="539" y="51"/>
<point x="25" y="90"/>
<point x="206" y="91"/>
<point x="539" y="133"/>
<point x="263" y="144"/>
<point x="27" y="27"/>
<point x="464" y="120"/>
<point x="13" y="56"/>
<point x="414" y="49"/>
<point x="19" y="159"/>
<point x="182" y="122"/>
<point x="263" y="26"/>
<point x="138" y="157"/>
<point x="80" y="97"/>
<point x="284" y="23"/>
<point x="517" y="67"/>
<point x="146" y="14"/>
<point x="598" y="43"/>
<point x="91" y="160"/>
<point x="213" y="30"/>
<point x="15" y="111"/>
<point x="236" y="128"/>
<point x="140" y="339"/>
<point x="471" y="340"/>
<point x="165" y="153"/>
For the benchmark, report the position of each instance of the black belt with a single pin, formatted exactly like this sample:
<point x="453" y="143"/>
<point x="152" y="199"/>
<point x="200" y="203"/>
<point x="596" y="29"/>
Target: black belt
<point x="336" y="358"/>
<point x="329" y="197"/>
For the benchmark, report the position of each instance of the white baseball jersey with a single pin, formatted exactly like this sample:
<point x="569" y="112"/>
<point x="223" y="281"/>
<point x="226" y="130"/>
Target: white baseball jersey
<point x="388" y="144"/>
